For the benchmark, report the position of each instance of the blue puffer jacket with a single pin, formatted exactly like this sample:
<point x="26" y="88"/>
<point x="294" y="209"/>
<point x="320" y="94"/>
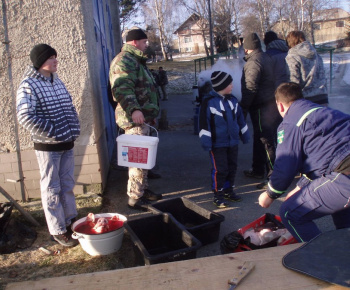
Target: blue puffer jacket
<point x="221" y="122"/>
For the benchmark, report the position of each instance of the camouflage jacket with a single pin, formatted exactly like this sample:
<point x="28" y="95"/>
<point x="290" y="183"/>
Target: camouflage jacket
<point x="133" y="87"/>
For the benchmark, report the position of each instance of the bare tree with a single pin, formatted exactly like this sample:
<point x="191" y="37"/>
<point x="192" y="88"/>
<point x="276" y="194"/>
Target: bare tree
<point x="264" y="9"/>
<point x="128" y="9"/>
<point x="236" y="8"/>
<point x="159" y="14"/>
<point x="312" y="9"/>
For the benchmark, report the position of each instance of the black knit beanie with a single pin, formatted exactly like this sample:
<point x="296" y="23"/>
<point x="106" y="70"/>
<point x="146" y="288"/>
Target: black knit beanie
<point x="252" y="42"/>
<point x="269" y="37"/>
<point x="220" y="80"/>
<point x="136" y="34"/>
<point x="41" y="53"/>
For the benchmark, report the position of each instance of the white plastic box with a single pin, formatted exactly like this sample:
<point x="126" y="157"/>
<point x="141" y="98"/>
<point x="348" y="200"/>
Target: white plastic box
<point x="137" y="151"/>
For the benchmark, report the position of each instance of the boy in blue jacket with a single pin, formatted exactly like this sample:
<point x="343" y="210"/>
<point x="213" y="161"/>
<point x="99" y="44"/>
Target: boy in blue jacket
<point x="221" y="126"/>
<point x="313" y="140"/>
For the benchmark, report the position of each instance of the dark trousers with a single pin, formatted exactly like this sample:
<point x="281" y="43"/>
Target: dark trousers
<point x="327" y="195"/>
<point x="224" y="167"/>
<point x="265" y="121"/>
<point x="163" y="89"/>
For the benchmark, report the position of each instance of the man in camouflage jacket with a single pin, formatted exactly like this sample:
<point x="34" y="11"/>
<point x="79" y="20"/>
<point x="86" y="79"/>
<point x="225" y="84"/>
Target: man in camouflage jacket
<point x="135" y="91"/>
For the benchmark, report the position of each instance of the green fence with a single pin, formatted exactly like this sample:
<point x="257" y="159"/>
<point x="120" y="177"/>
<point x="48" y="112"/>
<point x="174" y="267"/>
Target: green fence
<point x="321" y="49"/>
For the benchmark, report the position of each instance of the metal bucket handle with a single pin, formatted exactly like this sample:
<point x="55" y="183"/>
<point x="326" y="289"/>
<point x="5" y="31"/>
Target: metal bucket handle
<point x="152" y="128"/>
<point x="76" y="236"/>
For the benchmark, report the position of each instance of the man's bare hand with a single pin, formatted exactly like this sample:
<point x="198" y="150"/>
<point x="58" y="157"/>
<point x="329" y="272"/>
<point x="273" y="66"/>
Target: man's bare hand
<point x="264" y="200"/>
<point x="137" y="117"/>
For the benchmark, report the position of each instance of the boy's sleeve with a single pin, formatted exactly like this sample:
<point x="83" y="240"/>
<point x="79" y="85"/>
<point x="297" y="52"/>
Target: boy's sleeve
<point x="243" y="127"/>
<point x="204" y="125"/>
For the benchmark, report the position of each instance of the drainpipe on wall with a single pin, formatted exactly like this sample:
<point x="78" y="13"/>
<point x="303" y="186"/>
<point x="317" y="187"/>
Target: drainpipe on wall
<point x="9" y="71"/>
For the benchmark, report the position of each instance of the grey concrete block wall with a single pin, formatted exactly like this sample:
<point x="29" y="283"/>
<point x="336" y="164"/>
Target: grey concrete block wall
<point x="86" y="171"/>
<point x="68" y="26"/>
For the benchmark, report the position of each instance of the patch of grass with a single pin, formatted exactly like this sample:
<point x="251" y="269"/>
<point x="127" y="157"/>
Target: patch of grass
<point x="175" y="65"/>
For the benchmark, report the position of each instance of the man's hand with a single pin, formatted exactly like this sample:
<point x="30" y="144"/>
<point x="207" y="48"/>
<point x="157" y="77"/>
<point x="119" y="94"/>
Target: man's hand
<point x="137" y="117"/>
<point x="264" y="200"/>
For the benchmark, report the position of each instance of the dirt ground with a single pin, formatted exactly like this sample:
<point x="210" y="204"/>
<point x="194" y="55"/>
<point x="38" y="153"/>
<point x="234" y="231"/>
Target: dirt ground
<point x="33" y="263"/>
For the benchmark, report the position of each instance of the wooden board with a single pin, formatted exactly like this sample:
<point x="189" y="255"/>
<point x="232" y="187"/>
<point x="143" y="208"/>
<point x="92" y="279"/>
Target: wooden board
<point x="203" y="273"/>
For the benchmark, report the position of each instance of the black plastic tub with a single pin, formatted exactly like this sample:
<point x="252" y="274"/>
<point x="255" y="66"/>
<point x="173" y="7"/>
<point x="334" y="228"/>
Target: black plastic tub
<point x="200" y="222"/>
<point x="160" y="239"/>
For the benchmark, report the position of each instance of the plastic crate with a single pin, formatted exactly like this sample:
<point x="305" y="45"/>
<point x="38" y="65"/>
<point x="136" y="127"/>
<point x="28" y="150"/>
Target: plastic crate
<point x="200" y="222"/>
<point x="160" y="239"/>
<point x="259" y="222"/>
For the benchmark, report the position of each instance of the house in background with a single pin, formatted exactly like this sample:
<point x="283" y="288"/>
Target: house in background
<point x="86" y="36"/>
<point x="190" y="35"/>
<point x="330" y="26"/>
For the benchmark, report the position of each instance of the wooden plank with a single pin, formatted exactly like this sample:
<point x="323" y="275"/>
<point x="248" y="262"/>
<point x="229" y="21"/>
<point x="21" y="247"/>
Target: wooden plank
<point x="204" y="273"/>
<point x="27" y="215"/>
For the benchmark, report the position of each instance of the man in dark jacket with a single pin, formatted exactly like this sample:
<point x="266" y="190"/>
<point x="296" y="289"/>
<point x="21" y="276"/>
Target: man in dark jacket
<point x="313" y="140"/>
<point x="258" y="99"/>
<point x="277" y="49"/>
<point x="163" y="81"/>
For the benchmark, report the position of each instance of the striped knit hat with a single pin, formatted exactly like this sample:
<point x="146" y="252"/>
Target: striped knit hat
<point x="220" y="80"/>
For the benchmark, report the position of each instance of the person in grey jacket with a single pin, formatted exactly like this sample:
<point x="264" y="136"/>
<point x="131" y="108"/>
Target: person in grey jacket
<point x="45" y="109"/>
<point x="257" y="85"/>
<point x="305" y="67"/>
<point x="277" y="49"/>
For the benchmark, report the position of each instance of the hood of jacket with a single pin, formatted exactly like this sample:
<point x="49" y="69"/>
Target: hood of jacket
<point x="252" y="54"/>
<point x="278" y="44"/>
<point x="304" y="49"/>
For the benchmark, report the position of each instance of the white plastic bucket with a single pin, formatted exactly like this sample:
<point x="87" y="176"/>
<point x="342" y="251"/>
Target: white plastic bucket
<point x="137" y="151"/>
<point x="100" y="244"/>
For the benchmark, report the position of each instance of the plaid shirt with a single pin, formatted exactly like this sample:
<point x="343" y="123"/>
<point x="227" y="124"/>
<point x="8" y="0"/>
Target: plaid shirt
<point x="45" y="109"/>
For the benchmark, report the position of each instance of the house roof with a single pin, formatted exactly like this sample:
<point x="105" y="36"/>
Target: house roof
<point x="193" y="18"/>
<point x="331" y="14"/>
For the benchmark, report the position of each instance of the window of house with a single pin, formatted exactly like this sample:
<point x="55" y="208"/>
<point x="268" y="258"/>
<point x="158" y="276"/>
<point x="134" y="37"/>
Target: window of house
<point x="339" y="23"/>
<point x="188" y="39"/>
<point x="317" y="26"/>
<point x="188" y="49"/>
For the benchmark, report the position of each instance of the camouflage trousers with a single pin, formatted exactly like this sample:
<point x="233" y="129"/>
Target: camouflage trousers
<point x="138" y="180"/>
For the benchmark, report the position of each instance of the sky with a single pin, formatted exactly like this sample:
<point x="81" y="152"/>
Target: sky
<point x="345" y="4"/>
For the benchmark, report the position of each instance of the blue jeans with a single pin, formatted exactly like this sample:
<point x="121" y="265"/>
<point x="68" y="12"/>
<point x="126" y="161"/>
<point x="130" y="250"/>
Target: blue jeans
<point x="56" y="183"/>
<point x="326" y="195"/>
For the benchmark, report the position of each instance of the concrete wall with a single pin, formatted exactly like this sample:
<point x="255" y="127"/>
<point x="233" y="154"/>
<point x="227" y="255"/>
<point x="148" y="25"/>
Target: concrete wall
<point x="68" y="26"/>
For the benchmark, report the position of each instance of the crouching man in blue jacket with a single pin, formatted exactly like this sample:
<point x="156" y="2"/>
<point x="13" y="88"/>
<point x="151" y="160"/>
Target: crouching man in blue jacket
<point x="315" y="141"/>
